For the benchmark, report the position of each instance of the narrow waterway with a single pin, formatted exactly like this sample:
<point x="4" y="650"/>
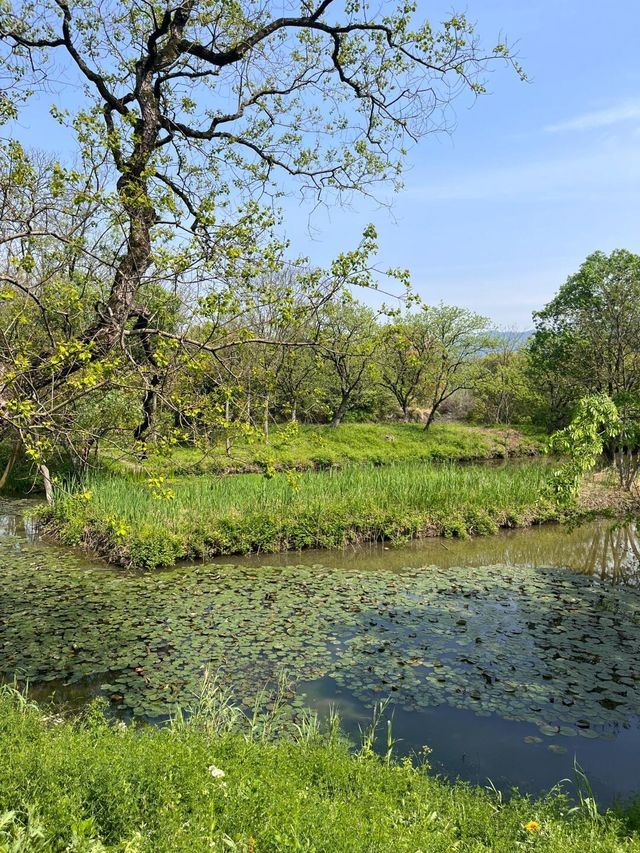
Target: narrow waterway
<point x="511" y="658"/>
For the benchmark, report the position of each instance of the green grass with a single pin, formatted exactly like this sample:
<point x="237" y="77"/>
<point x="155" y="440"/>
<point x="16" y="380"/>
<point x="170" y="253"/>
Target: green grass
<point x="90" y="786"/>
<point x="122" y="518"/>
<point x="317" y="447"/>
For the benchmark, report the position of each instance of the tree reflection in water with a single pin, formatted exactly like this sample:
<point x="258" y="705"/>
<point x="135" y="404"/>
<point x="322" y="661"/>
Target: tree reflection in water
<point x="614" y="554"/>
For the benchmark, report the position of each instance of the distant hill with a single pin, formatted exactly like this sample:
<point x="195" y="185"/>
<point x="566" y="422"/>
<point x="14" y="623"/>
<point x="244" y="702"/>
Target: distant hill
<point x="515" y="339"/>
<point x="512" y="340"/>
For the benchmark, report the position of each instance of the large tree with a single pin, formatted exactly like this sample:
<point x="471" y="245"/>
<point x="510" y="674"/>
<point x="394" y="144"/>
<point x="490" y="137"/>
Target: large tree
<point x="188" y="116"/>
<point x="407" y="346"/>
<point x="348" y="341"/>
<point x="504" y="393"/>
<point x="587" y="339"/>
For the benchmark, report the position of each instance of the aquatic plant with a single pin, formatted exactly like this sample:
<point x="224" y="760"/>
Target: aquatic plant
<point x="549" y="647"/>
<point x="208" y="516"/>
<point x="88" y="785"/>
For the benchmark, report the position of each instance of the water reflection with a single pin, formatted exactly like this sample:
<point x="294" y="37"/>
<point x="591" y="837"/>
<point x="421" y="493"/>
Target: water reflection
<point x="603" y="549"/>
<point x="613" y="554"/>
<point x="14" y="523"/>
<point x="507" y="675"/>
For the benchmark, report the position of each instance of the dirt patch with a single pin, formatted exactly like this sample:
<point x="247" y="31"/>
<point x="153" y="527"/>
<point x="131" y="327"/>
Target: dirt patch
<point x="601" y="492"/>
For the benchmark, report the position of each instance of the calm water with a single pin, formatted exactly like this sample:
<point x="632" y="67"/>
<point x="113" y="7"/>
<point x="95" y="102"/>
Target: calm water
<point x="511" y="657"/>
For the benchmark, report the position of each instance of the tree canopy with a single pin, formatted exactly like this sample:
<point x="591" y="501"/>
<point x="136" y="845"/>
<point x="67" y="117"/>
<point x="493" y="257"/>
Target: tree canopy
<point x="188" y="121"/>
<point x="587" y="339"/>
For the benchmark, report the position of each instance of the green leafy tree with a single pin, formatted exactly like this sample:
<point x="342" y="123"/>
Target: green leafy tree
<point x="348" y="341"/>
<point x="503" y="393"/>
<point x="459" y="337"/>
<point x="595" y="422"/>
<point x="598" y="426"/>
<point x="406" y="352"/>
<point x="587" y="339"/>
<point x="190" y="114"/>
<point x="625" y="447"/>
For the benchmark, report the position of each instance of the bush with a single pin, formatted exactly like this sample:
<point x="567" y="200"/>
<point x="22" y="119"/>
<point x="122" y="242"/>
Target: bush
<point x="154" y="547"/>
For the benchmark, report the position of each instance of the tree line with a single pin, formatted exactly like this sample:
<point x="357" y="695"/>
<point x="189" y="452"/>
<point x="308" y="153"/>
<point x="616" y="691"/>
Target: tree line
<point x="146" y="295"/>
<point x="141" y="254"/>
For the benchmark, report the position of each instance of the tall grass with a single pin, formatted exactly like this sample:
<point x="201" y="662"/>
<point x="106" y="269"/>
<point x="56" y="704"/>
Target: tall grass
<point x="195" y="517"/>
<point x="444" y="487"/>
<point x="194" y="786"/>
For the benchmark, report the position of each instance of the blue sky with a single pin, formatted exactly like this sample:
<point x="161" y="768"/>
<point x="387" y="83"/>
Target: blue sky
<point x="534" y="177"/>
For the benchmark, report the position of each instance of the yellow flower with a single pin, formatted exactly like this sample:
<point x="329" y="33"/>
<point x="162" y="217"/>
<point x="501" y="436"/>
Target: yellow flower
<point x="532" y="826"/>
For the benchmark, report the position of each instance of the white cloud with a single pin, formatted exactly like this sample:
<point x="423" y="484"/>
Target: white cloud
<point x="603" y="171"/>
<point x="617" y="114"/>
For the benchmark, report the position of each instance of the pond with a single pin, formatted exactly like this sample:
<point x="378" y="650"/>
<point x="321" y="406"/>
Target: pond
<point x="511" y="657"/>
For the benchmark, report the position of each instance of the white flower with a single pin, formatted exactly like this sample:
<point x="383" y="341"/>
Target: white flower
<point x="216" y="772"/>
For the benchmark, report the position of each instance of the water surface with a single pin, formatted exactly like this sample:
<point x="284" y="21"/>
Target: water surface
<point x="510" y="657"/>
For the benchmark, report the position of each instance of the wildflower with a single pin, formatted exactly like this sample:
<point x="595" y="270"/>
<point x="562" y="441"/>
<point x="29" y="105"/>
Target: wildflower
<point x="216" y="772"/>
<point x="532" y="826"/>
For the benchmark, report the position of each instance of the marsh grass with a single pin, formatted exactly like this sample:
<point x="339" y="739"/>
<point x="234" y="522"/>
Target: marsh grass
<point x="199" y="784"/>
<point x="414" y="487"/>
<point x="197" y="517"/>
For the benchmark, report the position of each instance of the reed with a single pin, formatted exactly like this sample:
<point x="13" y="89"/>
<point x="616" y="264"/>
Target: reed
<point x="127" y="520"/>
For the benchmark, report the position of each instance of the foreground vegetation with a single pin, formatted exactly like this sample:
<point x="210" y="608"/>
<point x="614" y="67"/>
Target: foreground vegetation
<point x="207" y="785"/>
<point x="138" y="522"/>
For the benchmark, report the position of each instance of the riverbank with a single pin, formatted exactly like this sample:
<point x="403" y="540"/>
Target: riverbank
<point x="133" y="521"/>
<point x="89" y="785"/>
<point x="303" y="447"/>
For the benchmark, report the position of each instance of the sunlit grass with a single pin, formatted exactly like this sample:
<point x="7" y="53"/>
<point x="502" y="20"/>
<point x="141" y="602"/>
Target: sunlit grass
<point x="308" y="447"/>
<point x="197" y="786"/>
<point x="421" y="487"/>
<point x="206" y="515"/>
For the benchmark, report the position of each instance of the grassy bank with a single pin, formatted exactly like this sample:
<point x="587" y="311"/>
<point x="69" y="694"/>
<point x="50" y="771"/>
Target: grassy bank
<point x="317" y="447"/>
<point x="89" y="786"/>
<point x="126" y="520"/>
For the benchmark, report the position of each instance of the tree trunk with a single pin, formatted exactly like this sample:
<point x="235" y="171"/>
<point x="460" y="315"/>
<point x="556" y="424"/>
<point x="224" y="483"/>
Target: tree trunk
<point x="80" y="458"/>
<point x="266" y="420"/>
<point x="10" y="464"/>
<point x="340" y="411"/>
<point x="294" y="412"/>
<point x="227" y="418"/>
<point x="430" y="419"/>
<point x="149" y="408"/>
<point x="46" y="479"/>
<point x="150" y="399"/>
